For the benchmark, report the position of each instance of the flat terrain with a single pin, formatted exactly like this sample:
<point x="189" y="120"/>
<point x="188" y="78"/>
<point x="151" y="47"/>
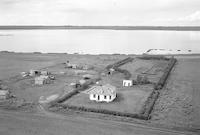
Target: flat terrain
<point x="11" y="64"/>
<point x="127" y="101"/>
<point x="152" y="68"/>
<point x="177" y="106"/>
<point x="13" y="123"/>
<point x="179" y="102"/>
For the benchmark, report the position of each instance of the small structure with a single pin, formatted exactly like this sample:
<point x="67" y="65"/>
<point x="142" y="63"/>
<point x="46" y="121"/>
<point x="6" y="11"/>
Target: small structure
<point x="45" y="73"/>
<point x="68" y="65"/>
<point x="87" y="76"/>
<point x="74" y="66"/>
<point x="82" y="82"/>
<point x="34" y="72"/>
<point x="24" y="74"/>
<point x="4" y="94"/>
<point x="142" y="79"/>
<point x="42" y="80"/>
<point x="87" y="67"/>
<point x="111" y="70"/>
<point x="127" y="83"/>
<point x="105" y="93"/>
<point x="51" y="77"/>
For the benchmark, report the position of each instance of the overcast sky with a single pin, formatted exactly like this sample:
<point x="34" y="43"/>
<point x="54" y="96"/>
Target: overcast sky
<point x="99" y="12"/>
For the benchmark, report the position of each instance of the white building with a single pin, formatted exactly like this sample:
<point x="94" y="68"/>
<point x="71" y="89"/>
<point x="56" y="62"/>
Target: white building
<point x="34" y="72"/>
<point x="106" y="93"/>
<point x="127" y="83"/>
<point x="4" y="94"/>
<point x="42" y="80"/>
<point x="45" y="73"/>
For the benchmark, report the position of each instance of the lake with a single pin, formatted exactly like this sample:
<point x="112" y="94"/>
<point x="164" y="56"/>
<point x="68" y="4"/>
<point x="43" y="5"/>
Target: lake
<point x="98" y="41"/>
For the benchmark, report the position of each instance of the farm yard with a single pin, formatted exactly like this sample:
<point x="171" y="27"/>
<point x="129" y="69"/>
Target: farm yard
<point x="127" y="101"/>
<point x="167" y="108"/>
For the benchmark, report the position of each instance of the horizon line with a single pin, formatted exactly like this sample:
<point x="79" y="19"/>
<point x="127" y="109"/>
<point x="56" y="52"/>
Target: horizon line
<point x="105" y="27"/>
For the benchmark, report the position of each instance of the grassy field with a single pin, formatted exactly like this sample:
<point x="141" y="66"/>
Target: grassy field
<point x="127" y="101"/>
<point x="152" y="68"/>
<point x="11" y="64"/>
<point x="178" y="104"/>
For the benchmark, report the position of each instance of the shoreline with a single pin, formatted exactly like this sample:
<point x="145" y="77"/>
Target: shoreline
<point x="69" y="27"/>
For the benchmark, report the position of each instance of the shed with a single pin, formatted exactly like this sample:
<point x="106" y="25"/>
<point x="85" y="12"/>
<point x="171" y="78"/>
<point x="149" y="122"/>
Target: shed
<point x="34" y="72"/>
<point x="82" y="81"/>
<point x="4" y="94"/>
<point x="42" y="80"/>
<point x="106" y="93"/>
<point x="74" y="66"/>
<point x="45" y="73"/>
<point x="111" y="70"/>
<point x="24" y="74"/>
<point x="88" y="76"/>
<point x="87" y="67"/>
<point x="127" y="83"/>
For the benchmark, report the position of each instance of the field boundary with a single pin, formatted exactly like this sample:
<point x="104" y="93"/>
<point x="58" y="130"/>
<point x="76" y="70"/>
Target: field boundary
<point x="150" y="102"/>
<point x="146" y="109"/>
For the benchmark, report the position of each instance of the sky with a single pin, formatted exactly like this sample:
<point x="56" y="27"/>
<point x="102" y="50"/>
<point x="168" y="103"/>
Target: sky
<point x="100" y="12"/>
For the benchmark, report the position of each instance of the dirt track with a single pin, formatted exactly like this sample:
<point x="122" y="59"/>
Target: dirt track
<point x="23" y="124"/>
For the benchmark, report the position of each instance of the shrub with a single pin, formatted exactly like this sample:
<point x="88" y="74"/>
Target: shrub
<point x="165" y="75"/>
<point x="103" y="111"/>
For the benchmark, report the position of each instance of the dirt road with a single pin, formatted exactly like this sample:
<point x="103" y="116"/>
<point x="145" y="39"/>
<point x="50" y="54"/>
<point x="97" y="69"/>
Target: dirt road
<point x="15" y="123"/>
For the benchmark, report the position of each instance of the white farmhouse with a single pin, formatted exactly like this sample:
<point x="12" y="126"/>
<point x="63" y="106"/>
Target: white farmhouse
<point x="127" y="83"/>
<point x="106" y="93"/>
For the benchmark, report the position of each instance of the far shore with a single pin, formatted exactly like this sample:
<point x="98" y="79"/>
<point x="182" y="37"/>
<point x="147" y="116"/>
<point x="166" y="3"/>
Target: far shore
<point x="38" y="27"/>
<point x="54" y="53"/>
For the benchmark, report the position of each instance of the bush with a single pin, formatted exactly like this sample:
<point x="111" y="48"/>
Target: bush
<point x="65" y="97"/>
<point x="153" y="57"/>
<point x="165" y="75"/>
<point x="103" y="111"/>
<point x="142" y="79"/>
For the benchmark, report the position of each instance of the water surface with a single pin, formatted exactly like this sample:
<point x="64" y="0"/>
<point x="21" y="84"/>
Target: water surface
<point x="97" y="41"/>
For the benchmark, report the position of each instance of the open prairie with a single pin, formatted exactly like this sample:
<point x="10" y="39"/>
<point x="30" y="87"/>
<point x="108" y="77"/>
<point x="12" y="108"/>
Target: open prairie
<point x="177" y="105"/>
<point x="179" y="101"/>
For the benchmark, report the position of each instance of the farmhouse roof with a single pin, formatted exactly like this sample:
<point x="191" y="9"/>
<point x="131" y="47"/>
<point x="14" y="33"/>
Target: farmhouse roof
<point x="102" y="90"/>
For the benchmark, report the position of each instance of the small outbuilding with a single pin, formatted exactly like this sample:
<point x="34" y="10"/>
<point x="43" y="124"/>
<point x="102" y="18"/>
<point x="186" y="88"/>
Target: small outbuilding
<point x="106" y="93"/>
<point x="45" y="72"/>
<point x="24" y="74"/>
<point x="74" y="66"/>
<point x="87" y="67"/>
<point x="127" y="83"/>
<point x="4" y="94"/>
<point x="42" y="80"/>
<point x="34" y="72"/>
<point x="111" y="71"/>
<point x="88" y="76"/>
<point x="82" y="82"/>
